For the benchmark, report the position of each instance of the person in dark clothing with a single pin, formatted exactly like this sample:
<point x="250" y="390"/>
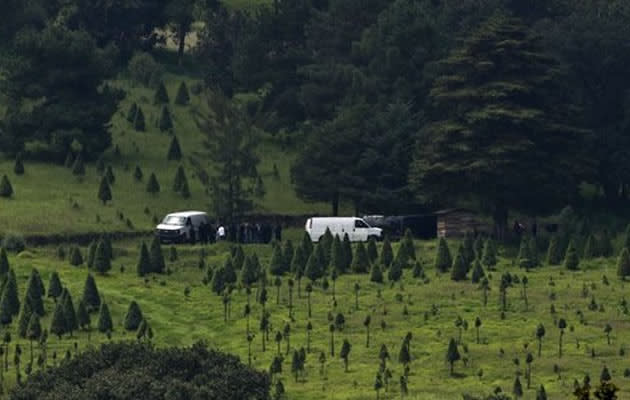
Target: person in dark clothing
<point x="534" y="228"/>
<point x="212" y="233"/>
<point x="278" y="232"/>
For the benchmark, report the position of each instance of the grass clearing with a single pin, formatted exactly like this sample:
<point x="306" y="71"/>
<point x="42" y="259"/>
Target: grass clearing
<point x="181" y="320"/>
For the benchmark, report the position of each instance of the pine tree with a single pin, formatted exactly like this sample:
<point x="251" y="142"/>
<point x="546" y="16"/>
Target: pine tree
<point x="229" y="273"/>
<point x="518" y="388"/>
<point x="313" y="269"/>
<point x="4" y="263"/>
<point x="376" y="275"/>
<point x="18" y="167"/>
<point x="395" y="271"/>
<point x="605" y="247"/>
<point x="344" y="354"/>
<point x="143" y="266"/>
<point x="180" y="177"/>
<point x="541" y="394"/>
<point x="371" y="250"/>
<point x="156" y="258"/>
<point x="131" y="114"/>
<point x="102" y="260"/>
<point x="468" y="249"/>
<point x="166" y="122"/>
<point x="137" y="174"/>
<point x="182" y="98"/>
<point x="218" y="281"/>
<point x="153" y="186"/>
<point x="533" y="251"/>
<point x="524" y="254"/>
<point x="78" y="168"/>
<point x="105" y="324"/>
<point x="33" y="331"/>
<point x="443" y="260"/>
<point x="287" y="255"/>
<point x="452" y="354"/>
<point x="360" y="261"/>
<point x="69" y="160"/>
<point x="554" y="254"/>
<point x="58" y="322"/>
<point x="107" y="243"/>
<point x="100" y="165"/>
<point x="34" y="292"/>
<point x="478" y="272"/>
<point x="11" y="289"/>
<point x="139" y="123"/>
<point x="337" y="258"/>
<point x="69" y="313"/>
<point x="83" y="316"/>
<point x="347" y="251"/>
<point x="54" y="286"/>
<point x="104" y="192"/>
<point x="478" y="246"/>
<point x="623" y="264"/>
<point x="6" y="190"/>
<point x="489" y="257"/>
<point x="25" y="315"/>
<point x="161" y="95"/>
<point x="248" y="274"/>
<point x="417" y="271"/>
<point x="571" y="260"/>
<point x="276" y="266"/>
<point x="460" y="268"/>
<point x="387" y="254"/>
<point x="326" y="244"/>
<point x="109" y="174"/>
<point x="76" y="258"/>
<point x="410" y="248"/>
<point x="307" y="245"/>
<point x="299" y="259"/>
<point x="174" y="150"/>
<point x="590" y="248"/>
<point x="238" y="257"/>
<point x="91" y="298"/>
<point x="133" y="317"/>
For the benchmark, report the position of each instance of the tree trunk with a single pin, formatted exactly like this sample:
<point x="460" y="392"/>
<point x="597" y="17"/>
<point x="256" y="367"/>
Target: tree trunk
<point x="539" y="346"/>
<point x="335" y="204"/>
<point x="181" y="38"/>
<point x="367" y="340"/>
<point x="309" y="304"/>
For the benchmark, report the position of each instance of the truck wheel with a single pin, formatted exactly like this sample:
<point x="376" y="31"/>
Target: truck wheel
<point x="376" y="238"/>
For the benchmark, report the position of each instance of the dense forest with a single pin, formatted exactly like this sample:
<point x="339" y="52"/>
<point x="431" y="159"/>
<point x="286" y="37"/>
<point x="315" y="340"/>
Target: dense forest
<point x="393" y="105"/>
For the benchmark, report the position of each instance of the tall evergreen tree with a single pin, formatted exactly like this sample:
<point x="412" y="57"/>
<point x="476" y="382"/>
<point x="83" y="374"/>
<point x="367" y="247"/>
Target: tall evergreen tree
<point x="276" y="266"/>
<point x="104" y="191"/>
<point x="489" y="257"/>
<point x="76" y="258"/>
<point x="91" y="253"/>
<point x="337" y="256"/>
<point x="161" y="95"/>
<point x="571" y="260"/>
<point x="91" y="298"/>
<point x="25" y="315"/>
<point x="138" y="122"/>
<point x="34" y="292"/>
<point x="133" y="317"/>
<point x="525" y="258"/>
<point x="371" y="250"/>
<point x="131" y="114"/>
<point x="360" y="261"/>
<point x="347" y="251"/>
<point x="156" y="258"/>
<point x="166" y="121"/>
<point x="180" y="177"/>
<point x="153" y="186"/>
<point x="395" y="271"/>
<point x="623" y="264"/>
<point x="137" y="174"/>
<point x="54" y="286"/>
<point x="58" y="322"/>
<point x="102" y="260"/>
<point x="105" y="323"/>
<point x="4" y="262"/>
<point x="554" y="252"/>
<point x="182" y="98"/>
<point x="497" y="104"/>
<point x="287" y="255"/>
<point x="477" y="272"/>
<point x="460" y="269"/>
<point x="143" y="266"/>
<point x="313" y="270"/>
<point x="387" y="254"/>
<point x="376" y="275"/>
<point x="69" y="312"/>
<point x="11" y="290"/>
<point x="6" y="190"/>
<point x="83" y="316"/>
<point x="78" y="168"/>
<point x="443" y="260"/>
<point x="18" y="167"/>
<point x="452" y="354"/>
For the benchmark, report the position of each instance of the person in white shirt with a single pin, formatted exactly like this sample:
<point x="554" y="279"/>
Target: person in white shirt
<point x="221" y="233"/>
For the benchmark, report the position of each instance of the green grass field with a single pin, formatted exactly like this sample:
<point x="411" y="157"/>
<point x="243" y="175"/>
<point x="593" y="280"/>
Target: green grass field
<point x="181" y="320"/>
<point x="45" y="196"/>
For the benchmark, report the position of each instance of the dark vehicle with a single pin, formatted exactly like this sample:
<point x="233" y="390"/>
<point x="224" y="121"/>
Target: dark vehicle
<point x="421" y="226"/>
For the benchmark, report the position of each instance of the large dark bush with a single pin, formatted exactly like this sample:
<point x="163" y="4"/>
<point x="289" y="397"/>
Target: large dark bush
<point x="140" y="371"/>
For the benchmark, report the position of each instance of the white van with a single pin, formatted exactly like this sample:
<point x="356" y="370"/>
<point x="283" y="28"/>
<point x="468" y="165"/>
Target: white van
<point x="356" y="228"/>
<point x="181" y="226"/>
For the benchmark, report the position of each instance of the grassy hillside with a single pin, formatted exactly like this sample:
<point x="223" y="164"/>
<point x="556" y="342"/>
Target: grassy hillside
<point x="432" y="309"/>
<point x="49" y="199"/>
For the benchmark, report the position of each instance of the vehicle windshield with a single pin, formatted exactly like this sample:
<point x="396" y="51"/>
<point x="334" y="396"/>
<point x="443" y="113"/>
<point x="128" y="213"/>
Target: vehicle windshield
<point x="172" y="220"/>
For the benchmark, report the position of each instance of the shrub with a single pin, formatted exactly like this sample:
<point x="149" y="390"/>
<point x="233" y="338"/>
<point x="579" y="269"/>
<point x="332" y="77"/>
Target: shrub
<point x="489" y="257"/>
<point x="376" y="275"/>
<point x="76" y="258"/>
<point x="387" y="254"/>
<point x="623" y="264"/>
<point x="137" y="174"/>
<point x="571" y="260"/>
<point x="360" y="262"/>
<point x="18" y="168"/>
<point x="153" y="186"/>
<point x="133" y="317"/>
<point x="554" y="252"/>
<point x="174" y="150"/>
<point x="143" y="69"/>
<point x="131" y="114"/>
<point x="139" y="123"/>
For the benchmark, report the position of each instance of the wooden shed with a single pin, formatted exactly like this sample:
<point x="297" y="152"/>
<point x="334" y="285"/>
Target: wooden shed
<point x="457" y="222"/>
